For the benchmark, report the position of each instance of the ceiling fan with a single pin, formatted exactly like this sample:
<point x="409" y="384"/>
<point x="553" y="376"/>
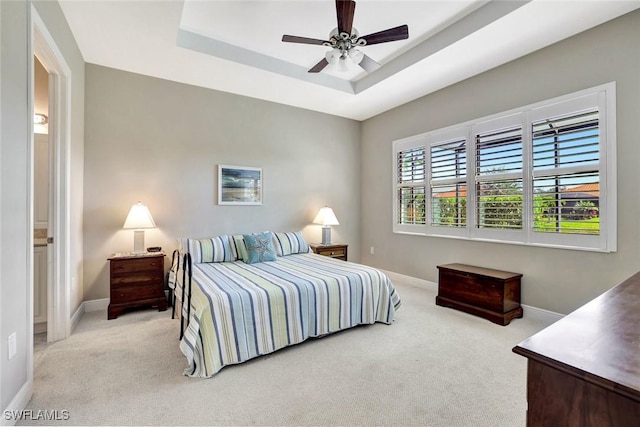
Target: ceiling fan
<point x="345" y="39"/>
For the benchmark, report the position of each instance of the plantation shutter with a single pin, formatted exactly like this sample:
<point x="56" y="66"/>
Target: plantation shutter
<point x="540" y="175"/>
<point x="566" y="173"/>
<point x="448" y="165"/>
<point x="411" y="186"/>
<point x="498" y="172"/>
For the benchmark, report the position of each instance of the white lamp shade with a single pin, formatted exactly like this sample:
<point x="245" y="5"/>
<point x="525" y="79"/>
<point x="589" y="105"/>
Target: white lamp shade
<point x="139" y="217"/>
<point x="326" y="217"/>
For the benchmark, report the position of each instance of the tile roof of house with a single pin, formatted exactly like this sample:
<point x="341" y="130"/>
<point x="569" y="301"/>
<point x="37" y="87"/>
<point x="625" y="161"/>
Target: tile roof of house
<point x="591" y="189"/>
<point x="461" y="193"/>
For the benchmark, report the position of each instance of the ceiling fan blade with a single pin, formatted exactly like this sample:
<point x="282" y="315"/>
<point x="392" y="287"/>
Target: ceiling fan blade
<point x="390" y="35"/>
<point x="303" y="40"/>
<point x="319" y="66"/>
<point x="345" y="11"/>
<point x="368" y="64"/>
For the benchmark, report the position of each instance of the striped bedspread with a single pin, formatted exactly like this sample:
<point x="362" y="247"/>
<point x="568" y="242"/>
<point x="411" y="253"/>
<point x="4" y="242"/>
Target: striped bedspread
<point x="240" y="311"/>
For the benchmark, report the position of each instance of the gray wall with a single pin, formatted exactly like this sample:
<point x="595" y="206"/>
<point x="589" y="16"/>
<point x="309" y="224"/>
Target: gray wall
<point x="14" y="214"/>
<point x="557" y="280"/>
<point x="15" y="180"/>
<point x="160" y="142"/>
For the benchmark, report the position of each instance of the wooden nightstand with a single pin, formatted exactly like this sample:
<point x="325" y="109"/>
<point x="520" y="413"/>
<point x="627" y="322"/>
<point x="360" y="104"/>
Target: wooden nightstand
<point x="136" y="280"/>
<point x="337" y="251"/>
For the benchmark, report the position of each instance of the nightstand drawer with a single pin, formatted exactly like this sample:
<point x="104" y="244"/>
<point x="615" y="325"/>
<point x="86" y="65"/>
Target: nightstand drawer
<point x="137" y="278"/>
<point x="135" y="293"/>
<point x="337" y="251"/>
<point x="332" y="252"/>
<point x="136" y="265"/>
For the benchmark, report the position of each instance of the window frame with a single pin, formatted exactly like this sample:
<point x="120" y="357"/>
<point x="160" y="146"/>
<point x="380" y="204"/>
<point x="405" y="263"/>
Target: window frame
<point x="400" y="146"/>
<point x="603" y="97"/>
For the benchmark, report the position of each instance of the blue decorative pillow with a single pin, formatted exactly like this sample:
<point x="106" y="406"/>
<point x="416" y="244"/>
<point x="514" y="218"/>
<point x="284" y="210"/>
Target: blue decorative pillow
<point x="259" y="248"/>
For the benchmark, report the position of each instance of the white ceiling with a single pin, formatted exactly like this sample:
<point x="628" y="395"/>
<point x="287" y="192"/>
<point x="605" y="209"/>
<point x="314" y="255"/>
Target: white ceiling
<point x="235" y="46"/>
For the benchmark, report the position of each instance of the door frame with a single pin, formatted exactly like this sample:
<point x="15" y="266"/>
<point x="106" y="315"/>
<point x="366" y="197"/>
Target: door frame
<point x="45" y="49"/>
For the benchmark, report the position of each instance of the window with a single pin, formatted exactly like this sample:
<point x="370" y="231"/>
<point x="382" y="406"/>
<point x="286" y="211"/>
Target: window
<point x="411" y="186"/>
<point x="448" y="165"/>
<point x="533" y="176"/>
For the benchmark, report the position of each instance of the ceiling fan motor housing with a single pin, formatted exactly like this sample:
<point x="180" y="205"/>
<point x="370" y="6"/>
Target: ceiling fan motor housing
<point x="345" y="38"/>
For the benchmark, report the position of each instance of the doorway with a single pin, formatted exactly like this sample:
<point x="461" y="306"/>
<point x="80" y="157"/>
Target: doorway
<point x="41" y="199"/>
<point x="46" y="52"/>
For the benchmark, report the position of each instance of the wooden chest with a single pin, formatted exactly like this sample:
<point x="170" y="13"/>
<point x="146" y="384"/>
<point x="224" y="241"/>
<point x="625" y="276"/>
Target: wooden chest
<point x="136" y="281"/>
<point x="491" y="294"/>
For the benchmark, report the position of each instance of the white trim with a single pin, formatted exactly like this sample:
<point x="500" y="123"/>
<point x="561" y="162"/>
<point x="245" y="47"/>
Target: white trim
<point x="398" y="146"/>
<point x="47" y="51"/>
<point x="24" y="395"/>
<point x="39" y="328"/>
<point x="19" y="402"/>
<point x="431" y="285"/>
<point x="96" y="305"/>
<point x="75" y="319"/>
<point x="540" y="314"/>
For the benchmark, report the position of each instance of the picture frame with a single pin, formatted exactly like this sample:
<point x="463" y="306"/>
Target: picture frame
<point x="239" y="185"/>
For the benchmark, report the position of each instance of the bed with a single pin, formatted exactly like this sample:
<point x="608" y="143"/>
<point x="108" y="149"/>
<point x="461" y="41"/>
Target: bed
<point x="232" y="311"/>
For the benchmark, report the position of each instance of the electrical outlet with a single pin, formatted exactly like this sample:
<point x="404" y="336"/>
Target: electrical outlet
<point x="12" y="341"/>
<point x="371" y="250"/>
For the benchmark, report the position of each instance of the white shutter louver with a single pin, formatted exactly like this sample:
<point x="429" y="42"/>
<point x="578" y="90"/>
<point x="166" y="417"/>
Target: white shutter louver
<point x="499" y="161"/>
<point x="448" y="184"/>
<point x="566" y="178"/>
<point x="411" y="186"/>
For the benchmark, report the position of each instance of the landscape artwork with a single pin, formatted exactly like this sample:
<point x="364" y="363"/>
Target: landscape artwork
<point x="239" y="185"/>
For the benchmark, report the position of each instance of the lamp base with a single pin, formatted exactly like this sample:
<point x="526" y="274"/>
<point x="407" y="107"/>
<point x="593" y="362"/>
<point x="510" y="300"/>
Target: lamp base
<point x="326" y="235"/>
<point x="138" y="241"/>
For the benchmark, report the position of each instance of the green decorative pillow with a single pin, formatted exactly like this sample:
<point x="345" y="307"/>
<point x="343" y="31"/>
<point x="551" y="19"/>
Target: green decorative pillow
<point x="212" y="249"/>
<point x="259" y="248"/>
<point x="238" y="247"/>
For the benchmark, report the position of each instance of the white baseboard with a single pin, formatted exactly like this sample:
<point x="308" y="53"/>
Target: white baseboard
<point x="17" y="404"/>
<point x="541" y="314"/>
<point x="431" y="285"/>
<point x="77" y="316"/>
<point x="96" y="305"/>
<point x="39" y="328"/>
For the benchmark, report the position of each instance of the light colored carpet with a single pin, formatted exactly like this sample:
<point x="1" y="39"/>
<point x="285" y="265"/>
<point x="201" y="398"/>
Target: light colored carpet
<point x="434" y="366"/>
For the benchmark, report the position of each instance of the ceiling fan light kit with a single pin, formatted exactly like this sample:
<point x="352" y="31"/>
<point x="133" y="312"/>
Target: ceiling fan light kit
<point x="345" y="40"/>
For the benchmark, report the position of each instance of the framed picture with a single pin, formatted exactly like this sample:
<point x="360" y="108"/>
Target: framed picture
<point x="239" y="185"/>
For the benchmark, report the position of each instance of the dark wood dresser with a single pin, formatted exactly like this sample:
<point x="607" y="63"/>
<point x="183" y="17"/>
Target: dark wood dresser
<point x="136" y="281"/>
<point x="584" y="370"/>
<point x="338" y="251"/>
<point x="491" y="294"/>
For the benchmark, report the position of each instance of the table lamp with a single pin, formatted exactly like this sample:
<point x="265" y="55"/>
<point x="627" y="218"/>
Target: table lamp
<point x="327" y="218"/>
<point x="138" y="219"/>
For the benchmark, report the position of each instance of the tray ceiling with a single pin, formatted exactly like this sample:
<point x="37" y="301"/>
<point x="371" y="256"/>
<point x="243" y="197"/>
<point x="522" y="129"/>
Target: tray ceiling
<point x="236" y="47"/>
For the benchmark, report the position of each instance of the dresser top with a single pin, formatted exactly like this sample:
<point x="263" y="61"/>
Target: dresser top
<point x="599" y="342"/>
